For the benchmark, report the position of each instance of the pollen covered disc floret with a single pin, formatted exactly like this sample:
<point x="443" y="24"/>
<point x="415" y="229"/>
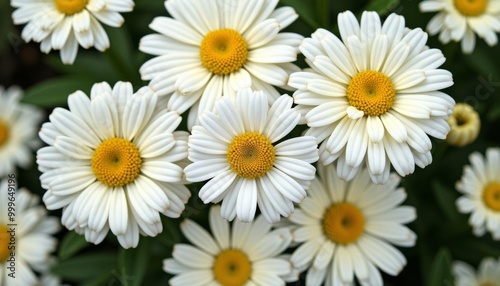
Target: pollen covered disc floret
<point x="114" y="157"/>
<point x="480" y="186"/>
<point x="223" y="51"/>
<point x="70" y="7"/>
<point x="116" y="162"/>
<point x="371" y="97"/>
<point x="233" y="254"/>
<point x="250" y="155"/>
<point x="225" y="47"/>
<point x="235" y="149"/>
<point x="4" y="133"/>
<point x="371" y="92"/>
<point x="341" y="229"/>
<point x="232" y="267"/>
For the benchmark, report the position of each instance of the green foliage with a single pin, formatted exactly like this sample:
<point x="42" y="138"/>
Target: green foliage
<point x="441" y="269"/>
<point x="86" y="268"/>
<point x="54" y="92"/>
<point x="71" y="244"/>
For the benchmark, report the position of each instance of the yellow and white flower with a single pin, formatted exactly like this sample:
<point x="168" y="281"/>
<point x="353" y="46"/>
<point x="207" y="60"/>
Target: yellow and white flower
<point x="460" y="20"/>
<point x="346" y="229"/>
<point x="373" y="98"/>
<point x="235" y="149"/>
<point x="247" y="254"/>
<point x="111" y="163"/>
<point x="480" y="186"/>
<point x="465" y="125"/>
<point x="65" y="24"/>
<point x="211" y="48"/>
<point x="33" y="232"/>
<point x="19" y="124"/>
<point x="488" y="273"/>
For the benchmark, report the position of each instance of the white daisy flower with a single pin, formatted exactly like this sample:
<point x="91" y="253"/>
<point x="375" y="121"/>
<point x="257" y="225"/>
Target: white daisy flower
<point x="32" y="230"/>
<point x="235" y="149"/>
<point x="487" y="275"/>
<point x="19" y="124"/>
<point x="480" y="186"/>
<point x="372" y="98"/>
<point x="460" y="20"/>
<point x="211" y="48"/>
<point x="65" y="24"/>
<point x="247" y="254"/>
<point x="346" y="229"/>
<point x="111" y="163"/>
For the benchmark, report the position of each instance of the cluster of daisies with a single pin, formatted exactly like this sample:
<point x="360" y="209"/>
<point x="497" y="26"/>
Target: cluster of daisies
<point x="116" y="161"/>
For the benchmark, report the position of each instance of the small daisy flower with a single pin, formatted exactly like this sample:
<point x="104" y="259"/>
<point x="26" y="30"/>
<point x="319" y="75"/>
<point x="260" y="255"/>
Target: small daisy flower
<point x="346" y="229"/>
<point x="235" y="149"/>
<point x="247" y="254"/>
<point x="33" y="232"/>
<point x="487" y="275"/>
<point x="465" y="125"/>
<point x="65" y="24"/>
<point x="211" y="48"/>
<point x="111" y="163"/>
<point x="460" y="20"/>
<point x="480" y="184"/>
<point x="372" y="98"/>
<point x="19" y="124"/>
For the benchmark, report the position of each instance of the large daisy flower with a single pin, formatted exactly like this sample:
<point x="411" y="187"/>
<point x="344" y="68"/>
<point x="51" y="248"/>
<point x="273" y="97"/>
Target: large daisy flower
<point x="460" y="20"/>
<point x="372" y="97"/>
<point x="480" y="184"/>
<point x="346" y="229"/>
<point x="235" y="148"/>
<point x="212" y="48"/>
<point x="111" y="163"/>
<point x="19" y="124"/>
<point x="32" y="231"/>
<point x="247" y="254"/>
<point x="488" y="273"/>
<point x="65" y="24"/>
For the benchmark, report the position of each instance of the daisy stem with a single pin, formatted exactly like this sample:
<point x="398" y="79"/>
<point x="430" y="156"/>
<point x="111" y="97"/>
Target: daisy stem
<point x="323" y="10"/>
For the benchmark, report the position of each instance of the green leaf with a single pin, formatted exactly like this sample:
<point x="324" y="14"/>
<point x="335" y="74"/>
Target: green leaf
<point x="87" y="65"/>
<point x="305" y="11"/>
<point x="440" y="272"/>
<point x="55" y="92"/>
<point x="86" y="267"/>
<point x="133" y="263"/>
<point x="382" y="6"/>
<point x="121" y="55"/>
<point x="70" y="244"/>
<point x="446" y="198"/>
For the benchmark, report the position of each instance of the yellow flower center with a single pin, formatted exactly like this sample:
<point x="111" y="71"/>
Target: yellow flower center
<point x="4" y="243"/>
<point x="371" y="92"/>
<point x="471" y="7"/>
<point x="223" y="51"/>
<point x="491" y="196"/>
<point x="232" y="268"/>
<point x="488" y="284"/>
<point x="250" y="155"/>
<point x="4" y="133"/>
<point x="70" y="7"/>
<point x="343" y="223"/>
<point x="116" y="162"/>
